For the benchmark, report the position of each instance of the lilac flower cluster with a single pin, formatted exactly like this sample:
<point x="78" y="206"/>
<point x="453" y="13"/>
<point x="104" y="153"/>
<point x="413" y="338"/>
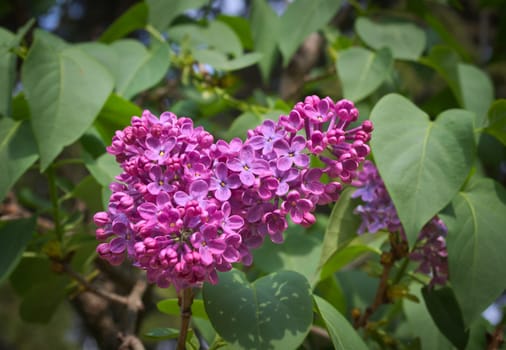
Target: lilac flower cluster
<point x="378" y="213"/>
<point x="185" y="206"/>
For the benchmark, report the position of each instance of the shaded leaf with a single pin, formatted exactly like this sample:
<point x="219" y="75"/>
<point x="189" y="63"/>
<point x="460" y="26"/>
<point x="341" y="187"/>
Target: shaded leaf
<point x="65" y="89"/>
<point x="243" y="313"/>
<point x="162" y="333"/>
<point x="14" y="236"/>
<point x="497" y="120"/>
<point x="301" y="18"/>
<point x="446" y="314"/>
<point x="265" y="26"/>
<point x="171" y="307"/>
<point x="420" y="324"/>
<point x="7" y="71"/>
<point x="405" y="40"/>
<point x="362" y="71"/>
<point x="342" y="227"/>
<point x="342" y="334"/>
<point x="18" y="152"/>
<point x="103" y="169"/>
<point x="422" y="162"/>
<point x="475" y="244"/>
<point x="116" y="114"/>
<point x="219" y="61"/>
<point x="136" y="17"/>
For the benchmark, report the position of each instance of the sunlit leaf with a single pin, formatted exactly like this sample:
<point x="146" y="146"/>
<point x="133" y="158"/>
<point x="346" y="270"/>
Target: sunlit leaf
<point x="65" y="89"/>
<point x="422" y="162"/>
<point x="341" y="332"/>
<point x="244" y="313"/>
<point x="405" y="40"/>
<point x="362" y="71"/>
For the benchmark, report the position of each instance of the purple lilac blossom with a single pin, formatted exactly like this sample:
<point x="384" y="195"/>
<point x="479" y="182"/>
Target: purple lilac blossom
<point x="378" y="213"/>
<point x="185" y="206"/>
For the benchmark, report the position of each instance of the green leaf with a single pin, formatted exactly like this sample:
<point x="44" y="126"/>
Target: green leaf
<point x="362" y="71"/>
<point x="420" y="324"/>
<point x="65" y="89"/>
<point x="342" y="334"/>
<point x="162" y="333"/>
<point x="104" y="168"/>
<point x="7" y="71"/>
<point x="14" y="236"/>
<point x="405" y="40"/>
<point x="345" y="256"/>
<point x="471" y="86"/>
<point x="422" y="162"/>
<point x="139" y="69"/>
<point x="497" y="120"/>
<point x="446" y="314"/>
<point x="163" y="12"/>
<point x="242" y="29"/>
<point x="342" y="227"/>
<point x="216" y="35"/>
<point x="171" y="307"/>
<point x="136" y="17"/>
<point x="18" y="152"/>
<point x="219" y="61"/>
<point x="244" y="313"/>
<point x="265" y="26"/>
<point x="301" y="18"/>
<point x="244" y="122"/>
<point x="476" y="242"/>
<point x="444" y="60"/>
<point x="41" y="289"/>
<point x="476" y="90"/>
<point x="300" y="252"/>
<point x="115" y="115"/>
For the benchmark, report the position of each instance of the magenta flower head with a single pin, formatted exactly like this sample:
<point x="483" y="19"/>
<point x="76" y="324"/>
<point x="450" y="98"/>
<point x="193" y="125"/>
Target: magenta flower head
<point x="185" y="206"/>
<point x="378" y="213"/>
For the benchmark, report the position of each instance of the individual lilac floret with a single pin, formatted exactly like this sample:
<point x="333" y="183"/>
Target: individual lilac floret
<point x="378" y="213"/>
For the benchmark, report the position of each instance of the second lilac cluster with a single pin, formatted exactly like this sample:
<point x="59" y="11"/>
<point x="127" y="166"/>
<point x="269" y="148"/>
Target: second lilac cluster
<point x="185" y="206"/>
<point x="378" y="213"/>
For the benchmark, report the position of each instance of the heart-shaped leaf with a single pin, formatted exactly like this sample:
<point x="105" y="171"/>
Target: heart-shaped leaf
<point x="422" y="162"/>
<point x="341" y="332"/>
<point x="476" y="242"/>
<point x="163" y="12"/>
<point x="362" y="71"/>
<point x="274" y="312"/>
<point x="136" y="17"/>
<point x="405" y="40"/>
<point x="65" y="89"/>
<point x="299" y="252"/>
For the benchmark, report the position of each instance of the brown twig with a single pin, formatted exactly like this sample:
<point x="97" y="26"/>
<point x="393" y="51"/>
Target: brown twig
<point x="496" y="339"/>
<point x="185" y="303"/>
<point x="91" y="288"/>
<point x="381" y="293"/>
